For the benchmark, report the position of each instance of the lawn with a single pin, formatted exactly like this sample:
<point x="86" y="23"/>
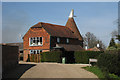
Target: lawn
<point x="100" y="74"/>
<point x="95" y="70"/>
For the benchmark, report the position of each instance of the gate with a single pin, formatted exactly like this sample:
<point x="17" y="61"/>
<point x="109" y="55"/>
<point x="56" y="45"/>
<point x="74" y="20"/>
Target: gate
<point x="34" y="57"/>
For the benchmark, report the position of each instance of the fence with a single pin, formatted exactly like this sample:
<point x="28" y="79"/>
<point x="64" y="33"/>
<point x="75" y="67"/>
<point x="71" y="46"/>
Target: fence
<point x="34" y="58"/>
<point x="9" y="57"/>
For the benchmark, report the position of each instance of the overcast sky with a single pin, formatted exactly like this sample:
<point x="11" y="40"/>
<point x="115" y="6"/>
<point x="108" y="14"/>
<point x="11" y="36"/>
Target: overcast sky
<point x="95" y="17"/>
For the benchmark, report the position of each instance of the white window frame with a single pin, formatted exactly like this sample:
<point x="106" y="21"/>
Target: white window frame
<point x="58" y="39"/>
<point x="35" y="44"/>
<point x="32" y="51"/>
<point x="67" y="40"/>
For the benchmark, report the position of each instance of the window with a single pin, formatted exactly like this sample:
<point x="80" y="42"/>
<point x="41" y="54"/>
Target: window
<point x="36" y="41"/>
<point x="67" y="40"/>
<point x="58" y="40"/>
<point x="35" y="51"/>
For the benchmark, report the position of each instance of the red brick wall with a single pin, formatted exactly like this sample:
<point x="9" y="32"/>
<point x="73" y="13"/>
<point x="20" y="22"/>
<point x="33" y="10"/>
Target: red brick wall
<point x="36" y="32"/>
<point x="9" y="57"/>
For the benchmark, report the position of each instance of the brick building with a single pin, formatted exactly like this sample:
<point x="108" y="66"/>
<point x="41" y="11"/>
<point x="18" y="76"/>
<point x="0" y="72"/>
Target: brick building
<point x="44" y="37"/>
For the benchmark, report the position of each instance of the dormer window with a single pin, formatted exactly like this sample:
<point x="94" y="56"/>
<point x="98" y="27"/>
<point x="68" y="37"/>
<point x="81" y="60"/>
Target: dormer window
<point x="58" y="39"/>
<point x="36" y="41"/>
<point x="67" y="40"/>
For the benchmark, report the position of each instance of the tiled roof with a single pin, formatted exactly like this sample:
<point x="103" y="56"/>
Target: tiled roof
<point x="95" y="49"/>
<point x="69" y="47"/>
<point x="72" y="25"/>
<point x="56" y="30"/>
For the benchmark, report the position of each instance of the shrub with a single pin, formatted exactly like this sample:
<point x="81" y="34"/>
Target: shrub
<point x="109" y="63"/>
<point x="112" y="48"/>
<point x="53" y="56"/>
<point x="83" y="56"/>
<point x="114" y="77"/>
<point x="111" y="51"/>
<point x="94" y="54"/>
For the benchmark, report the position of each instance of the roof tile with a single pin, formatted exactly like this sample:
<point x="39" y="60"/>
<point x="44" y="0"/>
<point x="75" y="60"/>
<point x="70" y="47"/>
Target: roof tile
<point x="56" y="30"/>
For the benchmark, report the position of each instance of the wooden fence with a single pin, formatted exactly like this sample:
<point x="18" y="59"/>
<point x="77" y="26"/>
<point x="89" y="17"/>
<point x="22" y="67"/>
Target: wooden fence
<point x="34" y="58"/>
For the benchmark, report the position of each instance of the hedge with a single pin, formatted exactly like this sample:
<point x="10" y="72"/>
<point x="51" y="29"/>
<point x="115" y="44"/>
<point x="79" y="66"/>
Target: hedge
<point x="109" y="62"/>
<point x="83" y="56"/>
<point x="53" y="56"/>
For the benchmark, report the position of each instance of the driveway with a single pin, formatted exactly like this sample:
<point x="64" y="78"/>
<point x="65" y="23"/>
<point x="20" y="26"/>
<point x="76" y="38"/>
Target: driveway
<point x="49" y="70"/>
<point x="56" y="70"/>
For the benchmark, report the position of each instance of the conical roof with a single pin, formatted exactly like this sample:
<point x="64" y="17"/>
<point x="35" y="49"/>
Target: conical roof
<point x="72" y="25"/>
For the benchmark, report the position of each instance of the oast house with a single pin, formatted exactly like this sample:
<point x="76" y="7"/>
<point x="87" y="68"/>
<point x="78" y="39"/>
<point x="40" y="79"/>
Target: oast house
<point x="43" y="37"/>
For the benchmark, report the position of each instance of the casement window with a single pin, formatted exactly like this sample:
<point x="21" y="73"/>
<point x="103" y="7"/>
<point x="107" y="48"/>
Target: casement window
<point x="35" y="51"/>
<point x="58" y="39"/>
<point x="67" y="40"/>
<point x="36" y="41"/>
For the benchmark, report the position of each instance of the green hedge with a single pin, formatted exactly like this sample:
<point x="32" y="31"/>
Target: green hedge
<point x="83" y="56"/>
<point x="109" y="63"/>
<point x="53" y="56"/>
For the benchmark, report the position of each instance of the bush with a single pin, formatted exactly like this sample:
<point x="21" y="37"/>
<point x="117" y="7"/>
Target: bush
<point x="83" y="56"/>
<point x="111" y="51"/>
<point x="53" y="56"/>
<point x="109" y="63"/>
<point x="113" y="76"/>
<point x="94" y="54"/>
<point x="112" y="48"/>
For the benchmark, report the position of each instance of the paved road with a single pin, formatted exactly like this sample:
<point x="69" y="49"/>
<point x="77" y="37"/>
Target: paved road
<point x="54" y="70"/>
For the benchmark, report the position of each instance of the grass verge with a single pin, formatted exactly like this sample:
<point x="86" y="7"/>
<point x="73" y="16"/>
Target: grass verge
<point x="100" y="74"/>
<point x="95" y="70"/>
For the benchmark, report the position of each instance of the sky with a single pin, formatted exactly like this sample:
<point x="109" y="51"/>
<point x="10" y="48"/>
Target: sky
<point x="98" y="18"/>
<point x="119" y="19"/>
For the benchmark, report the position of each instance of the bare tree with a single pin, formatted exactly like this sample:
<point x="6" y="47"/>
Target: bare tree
<point x="114" y="33"/>
<point x="91" y="40"/>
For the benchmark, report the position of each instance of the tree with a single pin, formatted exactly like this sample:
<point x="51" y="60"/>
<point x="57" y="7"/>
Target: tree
<point x="118" y="46"/>
<point x="114" y="33"/>
<point x="118" y="37"/>
<point x="91" y="40"/>
<point x="112" y="43"/>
